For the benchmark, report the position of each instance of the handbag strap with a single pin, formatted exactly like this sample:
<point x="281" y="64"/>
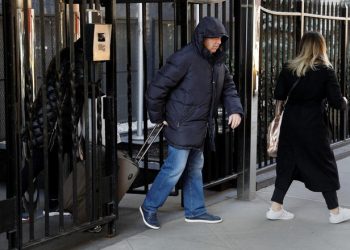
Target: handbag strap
<point x="279" y="104"/>
<point x="291" y="89"/>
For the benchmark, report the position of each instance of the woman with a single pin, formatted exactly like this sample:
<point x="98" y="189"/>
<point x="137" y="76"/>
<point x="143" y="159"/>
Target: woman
<point x="304" y="151"/>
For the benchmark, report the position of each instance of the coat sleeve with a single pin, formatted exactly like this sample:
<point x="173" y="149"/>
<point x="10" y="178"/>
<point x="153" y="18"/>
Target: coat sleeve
<point x="334" y="96"/>
<point x="230" y="97"/>
<point x="165" y="80"/>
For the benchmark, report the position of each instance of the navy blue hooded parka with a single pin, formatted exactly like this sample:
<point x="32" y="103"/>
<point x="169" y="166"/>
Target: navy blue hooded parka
<point x="187" y="89"/>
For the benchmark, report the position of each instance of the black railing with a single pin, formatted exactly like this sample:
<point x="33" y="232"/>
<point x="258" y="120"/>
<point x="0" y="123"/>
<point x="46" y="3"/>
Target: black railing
<point x="281" y="25"/>
<point x="17" y="153"/>
<point x="166" y="27"/>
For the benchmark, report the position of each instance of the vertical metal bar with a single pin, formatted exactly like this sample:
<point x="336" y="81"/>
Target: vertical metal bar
<point x="236" y="29"/>
<point x="278" y="33"/>
<point x="335" y="34"/>
<point x="332" y="59"/>
<point x="227" y="139"/>
<point x="128" y="40"/>
<point x="28" y="114"/>
<point x="94" y="166"/>
<point x="192" y="23"/>
<point x="302" y="17"/>
<point x="145" y="123"/>
<point x="262" y="80"/>
<point x="284" y="33"/>
<point x="268" y="75"/>
<point x="208" y="10"/>
<point x="98" y="121"/>
<point x="290" y="32"/>
<point x="111" y="116"/>
<point x="319" y="11"/>
<point x="58" y="21"/>
<point x="323" y="11"/>
<point x="44" y="101"/>
<point x="299" y="29"/>
<point x="74" y="111"/>
<point x="99" y="138"/>
<point x="315" y="10"/>
<point x="13" y="184"/>
<point x="343" y="66"/>
<point x="308" y="19"/>
<point x="161" y="62"/>
<point x="87" y="156"/>
<point x="246" y="183"/>
<point x="140" y="81"/>
<point x="176" y="29"/>
<point x="231" y="33"/>
<point x="270" y="83"/>
<point x="181" y="20"/>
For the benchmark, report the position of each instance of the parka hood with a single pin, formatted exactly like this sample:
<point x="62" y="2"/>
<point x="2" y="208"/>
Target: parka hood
<point x="209" y="27"/>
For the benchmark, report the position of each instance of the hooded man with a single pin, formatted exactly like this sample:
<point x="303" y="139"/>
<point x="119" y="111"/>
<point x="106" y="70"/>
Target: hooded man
<point x="184" y="96"/>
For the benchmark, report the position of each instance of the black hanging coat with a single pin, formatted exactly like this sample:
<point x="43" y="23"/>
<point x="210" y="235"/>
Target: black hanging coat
<point x="187" y="89"/>
<point x="304" y="151"/>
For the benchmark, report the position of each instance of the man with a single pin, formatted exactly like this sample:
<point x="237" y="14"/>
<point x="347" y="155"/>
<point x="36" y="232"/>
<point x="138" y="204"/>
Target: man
<point x="184" y="96"/>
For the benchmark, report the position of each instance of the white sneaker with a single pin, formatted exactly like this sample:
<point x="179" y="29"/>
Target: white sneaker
<point x="343" y="215"/>
<point x="279" y="215"/>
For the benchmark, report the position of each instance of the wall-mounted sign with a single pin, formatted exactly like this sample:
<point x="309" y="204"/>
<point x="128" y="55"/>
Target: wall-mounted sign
<point x="99" y="42"/>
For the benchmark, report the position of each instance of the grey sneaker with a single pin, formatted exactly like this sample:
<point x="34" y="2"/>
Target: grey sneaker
<point x="150" y="219"/>
<point x="204" y="218"/>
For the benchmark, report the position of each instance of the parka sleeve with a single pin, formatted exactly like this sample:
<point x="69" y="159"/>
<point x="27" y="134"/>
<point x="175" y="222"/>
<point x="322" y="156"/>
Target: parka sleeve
<point x="230" y="96"/>
<point x="165" y="80"/>
<point x="334" y="95"/>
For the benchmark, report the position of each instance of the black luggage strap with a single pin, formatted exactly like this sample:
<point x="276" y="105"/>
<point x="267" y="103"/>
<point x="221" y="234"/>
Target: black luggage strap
<point x="148" y="142"/>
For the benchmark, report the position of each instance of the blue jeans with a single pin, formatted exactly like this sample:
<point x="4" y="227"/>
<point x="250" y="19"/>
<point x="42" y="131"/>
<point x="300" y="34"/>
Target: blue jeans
<point x="187" y="161"/>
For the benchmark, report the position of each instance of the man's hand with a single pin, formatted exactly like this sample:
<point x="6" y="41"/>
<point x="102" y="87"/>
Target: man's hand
<point x="165" y="123"/>
<point x="234" y="120"/>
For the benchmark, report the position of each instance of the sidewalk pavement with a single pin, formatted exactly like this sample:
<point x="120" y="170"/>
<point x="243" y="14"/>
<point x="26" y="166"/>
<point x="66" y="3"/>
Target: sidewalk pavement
<point x="244" y="225"/>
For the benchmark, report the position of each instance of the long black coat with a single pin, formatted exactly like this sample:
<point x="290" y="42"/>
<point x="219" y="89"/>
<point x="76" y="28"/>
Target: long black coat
<point x="304" y="151"/>
<point x="187" y="89"/>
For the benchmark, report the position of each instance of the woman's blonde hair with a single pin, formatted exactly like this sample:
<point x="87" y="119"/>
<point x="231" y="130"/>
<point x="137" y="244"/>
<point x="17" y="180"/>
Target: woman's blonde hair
<point x="312" y="52"/>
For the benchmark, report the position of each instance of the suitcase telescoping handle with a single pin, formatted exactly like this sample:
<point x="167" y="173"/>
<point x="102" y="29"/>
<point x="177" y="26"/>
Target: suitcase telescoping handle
<point x="145" y="147"/>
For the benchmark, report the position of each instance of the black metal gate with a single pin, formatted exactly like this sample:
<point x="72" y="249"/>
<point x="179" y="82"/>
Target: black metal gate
<point x="111" y="107"/>
<point x="29" y="83"/>
<point x="282" y="24"/>
<point x="166" y="26"/>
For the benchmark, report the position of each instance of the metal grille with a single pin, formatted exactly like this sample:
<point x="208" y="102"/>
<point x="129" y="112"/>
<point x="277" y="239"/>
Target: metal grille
<point x="2" y="88"/>
<point x="280" y="33"/>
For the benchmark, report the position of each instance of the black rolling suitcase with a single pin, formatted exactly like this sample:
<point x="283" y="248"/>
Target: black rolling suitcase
<point x="129" y="168"/>
<point x="127" y="172"/>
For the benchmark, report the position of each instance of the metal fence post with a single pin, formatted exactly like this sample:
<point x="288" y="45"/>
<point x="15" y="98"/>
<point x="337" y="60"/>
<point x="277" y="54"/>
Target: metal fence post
<point x="343" y="66"/>
<point x="181" y="21"/>
<point x="247" y="141"/>
<point x="299" y="29"/>
<point x="12" y="185"/>
<point x="110" y="115"/>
